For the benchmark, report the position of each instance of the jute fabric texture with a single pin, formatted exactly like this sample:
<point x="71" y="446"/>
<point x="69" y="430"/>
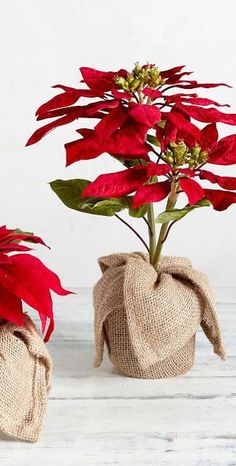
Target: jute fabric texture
<point x="25" y="367"/>
<point x="148" y="318"/>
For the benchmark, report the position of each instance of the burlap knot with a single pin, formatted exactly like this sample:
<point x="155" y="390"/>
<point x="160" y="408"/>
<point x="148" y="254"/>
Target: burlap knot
<point x="148" y="319"/>
<point x="25" y="367"/>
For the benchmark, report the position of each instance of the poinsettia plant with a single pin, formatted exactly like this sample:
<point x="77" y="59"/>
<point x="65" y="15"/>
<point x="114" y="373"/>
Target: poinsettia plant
<point x="24" y="278"/>
<point x="147" y="120"/>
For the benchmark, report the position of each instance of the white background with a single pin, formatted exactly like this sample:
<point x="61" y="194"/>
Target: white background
<point x="43" y="42"/>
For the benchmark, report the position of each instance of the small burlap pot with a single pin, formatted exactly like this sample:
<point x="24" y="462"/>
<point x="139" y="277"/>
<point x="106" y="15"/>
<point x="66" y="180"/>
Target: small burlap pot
<point x="25" y="367"/>
<point x="149" y="319"/>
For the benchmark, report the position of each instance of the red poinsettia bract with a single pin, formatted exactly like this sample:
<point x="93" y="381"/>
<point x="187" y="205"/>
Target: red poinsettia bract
<point x="24" y="278"/>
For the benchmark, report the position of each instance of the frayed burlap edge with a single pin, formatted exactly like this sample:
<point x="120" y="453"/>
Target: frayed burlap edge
<point x="25" y="348"/>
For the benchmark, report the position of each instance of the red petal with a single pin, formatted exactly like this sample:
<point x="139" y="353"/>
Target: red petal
<point x="208" y="115"/>
<point x="147" y="115"/>
<point x="6" y="248"/>
<point x="187" y="171"/>
<point x="101" y="80"/>
<point x="129" y="142"/>
<point x="28" y="279"/>
<point x="170" y="133"/>
<point x="155" y="169"/>
<point x="226" y="182"/>
<point x="10" y="307"/>
<point x="5" y="231"/>
<point x="91" y="110"/>
<point x="17" y="237"/>
<point x="121" y="94"/>
<point x="151" y="193"/>
<point x="171" y="71"/>
<point x="152" y="93"/>
<point x="83" y="149"/>
<point x="103" y="105"/>
<point x="77" y="110"/>
<point x="183" y="124"/>
<point x="193" y="190"/>
<point x="159" y="136"/>
<point x="209" y="136"/>
<point x="178" y="97"/>
<point x="224" y="151"/>
<point x="202" y="101"/>
<point x="117" y="184"/>
<point x="49" y="330"/>
<point x="81" y="92"/>
<point x="4" y="259"/>
<point x="27" y="284"/>
<point x="41" y="132"/>
<point x="111" y="122"/>
<point x="177" y="77"/>
<point x="192" y="84"/>
<point x="220" y="200"/>
<point x="62" y="100"/>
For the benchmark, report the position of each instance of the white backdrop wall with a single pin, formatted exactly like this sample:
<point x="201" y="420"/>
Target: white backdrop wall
<point x="43" y="42"/>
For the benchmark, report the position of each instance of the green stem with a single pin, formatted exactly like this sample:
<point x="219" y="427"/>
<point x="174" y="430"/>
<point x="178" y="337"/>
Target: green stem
<point x="162" y="235"/>
<point x="152" y="231"/>
<point x="133" y="230"/>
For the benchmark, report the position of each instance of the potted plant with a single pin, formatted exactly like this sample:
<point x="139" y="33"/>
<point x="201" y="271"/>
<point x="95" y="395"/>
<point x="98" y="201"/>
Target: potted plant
<point x="147" y="307"/>
<point x="25" y="362"/>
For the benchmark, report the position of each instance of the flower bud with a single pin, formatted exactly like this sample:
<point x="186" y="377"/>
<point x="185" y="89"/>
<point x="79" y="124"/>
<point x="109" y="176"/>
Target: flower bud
<point x="203" y="156"/>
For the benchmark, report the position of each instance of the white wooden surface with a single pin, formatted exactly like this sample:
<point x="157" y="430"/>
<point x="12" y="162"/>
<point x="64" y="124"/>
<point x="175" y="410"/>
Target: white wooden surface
<point x="96" y="417"/>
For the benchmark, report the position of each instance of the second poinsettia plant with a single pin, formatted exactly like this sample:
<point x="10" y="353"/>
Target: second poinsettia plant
<point x="25" y="279"/>
<point x="147" y="120"/>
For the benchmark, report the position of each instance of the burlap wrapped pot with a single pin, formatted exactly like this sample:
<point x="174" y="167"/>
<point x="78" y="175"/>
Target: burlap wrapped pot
<point x="148" y="319"/>
<point x="25" y="367"/>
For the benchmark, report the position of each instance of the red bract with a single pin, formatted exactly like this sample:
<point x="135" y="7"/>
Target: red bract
<point x="200" y="101"/>
<point x="226" y="182"/>
<point x="24" y="278"/>
<point x="193" y="190"/>
<point x="223" y="152"/>
<point x="151" y="193"/>
<point x="220" y="200"/>
<point x="208" y="115"/>
<point x="101" y="80"/>
<point x="129" y="142"/>
<point x="117" y="184"/>
<point x="183" y="124"/>
<point x="146" y="115"/>
<point x="124" y="182"/>
<point x="68" y="97"/>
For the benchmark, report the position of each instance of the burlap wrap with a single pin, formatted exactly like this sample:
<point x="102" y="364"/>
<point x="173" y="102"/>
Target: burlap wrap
<point x="148" y="319"/>
<point x="25" y="367"/>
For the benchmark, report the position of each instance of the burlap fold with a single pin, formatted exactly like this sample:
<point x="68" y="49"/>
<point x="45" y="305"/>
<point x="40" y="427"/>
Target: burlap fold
<point x="25" y="367"/>
<point x="148" y="319"/>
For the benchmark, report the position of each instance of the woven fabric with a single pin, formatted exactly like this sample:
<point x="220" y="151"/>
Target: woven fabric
<point x="25" y="367"/>
<point x="148" y="319"/>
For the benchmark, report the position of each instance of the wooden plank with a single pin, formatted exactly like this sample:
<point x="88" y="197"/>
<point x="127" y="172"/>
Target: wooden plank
<point x="118" y="431"/>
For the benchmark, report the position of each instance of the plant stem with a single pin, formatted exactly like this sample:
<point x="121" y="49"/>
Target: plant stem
<point x="162" y="235"/>
<point x="151" y="231"/>
<point x="133" y="230"/>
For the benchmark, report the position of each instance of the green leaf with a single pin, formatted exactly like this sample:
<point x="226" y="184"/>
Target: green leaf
<point x="153" y="140"/>
<point x="69" y="192"/>
<point x="138" y="212"/>
<point x="177" y="214"/>
<point x="161" y="123"/>
<point x="127" y="163"/>
<point x="18" y="231"/>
